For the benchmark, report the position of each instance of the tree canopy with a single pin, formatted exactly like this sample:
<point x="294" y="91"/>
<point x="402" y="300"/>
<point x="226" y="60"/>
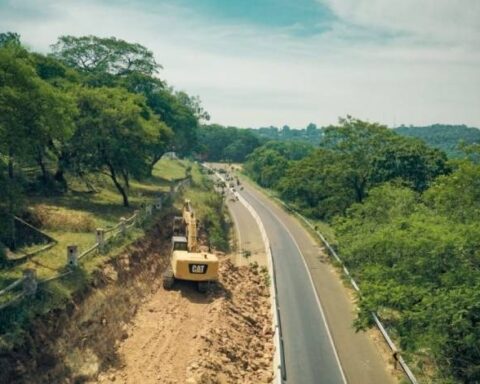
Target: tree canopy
<point x="109" y="55"/>
<point x="93" y="106"/>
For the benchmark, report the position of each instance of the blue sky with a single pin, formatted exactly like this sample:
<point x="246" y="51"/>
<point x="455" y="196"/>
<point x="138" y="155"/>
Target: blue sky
<point x="257" y="63"/>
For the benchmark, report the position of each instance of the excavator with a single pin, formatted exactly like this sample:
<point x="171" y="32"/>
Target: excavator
<point x="186" y="261"/>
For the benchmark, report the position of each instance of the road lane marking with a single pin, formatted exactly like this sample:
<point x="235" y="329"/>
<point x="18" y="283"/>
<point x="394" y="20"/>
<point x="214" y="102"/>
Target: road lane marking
<point x="311" y="282"/>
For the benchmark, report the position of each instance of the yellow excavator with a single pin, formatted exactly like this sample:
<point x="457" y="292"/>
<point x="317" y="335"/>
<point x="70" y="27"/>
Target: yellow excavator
<point x="186" y="261"/>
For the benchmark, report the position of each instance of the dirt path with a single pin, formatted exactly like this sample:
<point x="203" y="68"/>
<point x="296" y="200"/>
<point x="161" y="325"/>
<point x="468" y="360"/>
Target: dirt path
<point x="182" y="336"/>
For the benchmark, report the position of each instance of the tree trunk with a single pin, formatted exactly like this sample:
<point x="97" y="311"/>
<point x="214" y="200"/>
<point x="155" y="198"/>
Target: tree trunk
<point x="42" y="166"/>
<point x="119" y="186"/>
<point x="10" y="164"/>
<point x="126" y="179"/>
<point x="155" y="159"/>
<point x="60" y="172"/>
<point x="360" y="190"/>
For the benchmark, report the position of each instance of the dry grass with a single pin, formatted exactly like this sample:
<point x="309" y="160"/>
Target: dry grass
<point x="58" y="218"/>
<point x="73" y="217"/>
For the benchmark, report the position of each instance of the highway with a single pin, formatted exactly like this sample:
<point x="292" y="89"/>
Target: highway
<point x="321" y="346"/>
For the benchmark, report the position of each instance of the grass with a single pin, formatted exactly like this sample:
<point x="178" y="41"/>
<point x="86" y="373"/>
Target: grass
<point x="73" y="217"/>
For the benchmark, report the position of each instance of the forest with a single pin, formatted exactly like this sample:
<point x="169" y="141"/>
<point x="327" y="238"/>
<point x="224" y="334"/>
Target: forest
<point x="406" y="224"/>
<point x="449" y="138"/>
<point x="92" y="106"/>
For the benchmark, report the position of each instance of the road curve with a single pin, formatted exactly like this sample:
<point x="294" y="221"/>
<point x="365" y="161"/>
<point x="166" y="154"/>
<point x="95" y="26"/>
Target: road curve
<point x="321" y="347"/>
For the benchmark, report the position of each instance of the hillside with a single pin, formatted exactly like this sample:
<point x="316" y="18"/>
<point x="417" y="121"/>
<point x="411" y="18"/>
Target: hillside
<point x="444" y="137"/>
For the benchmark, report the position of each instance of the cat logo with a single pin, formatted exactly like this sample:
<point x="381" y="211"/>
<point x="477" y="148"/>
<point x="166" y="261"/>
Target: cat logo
<point x="198" y="268"/>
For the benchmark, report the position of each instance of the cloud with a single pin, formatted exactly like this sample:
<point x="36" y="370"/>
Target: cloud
<point x="440" y="21"/>
<point x="371" y="60"/>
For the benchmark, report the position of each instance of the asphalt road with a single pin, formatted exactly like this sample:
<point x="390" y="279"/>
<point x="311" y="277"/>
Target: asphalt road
<point x="321" y="346"/>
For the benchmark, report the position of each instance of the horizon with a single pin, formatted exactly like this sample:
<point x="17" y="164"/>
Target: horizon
<point x="275" y="62"/>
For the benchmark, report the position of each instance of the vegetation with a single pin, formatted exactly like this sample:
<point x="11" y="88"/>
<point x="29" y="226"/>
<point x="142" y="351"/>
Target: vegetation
<point x="311" y="133"/>
<point x="230" y="144"/>
<point x="210" y="210"/>
<point x="406" y="225"/>
<point x="448" y="138"/>
<point x="351" y="159"/>
<point x="93" y="107"/>
<point x="268" y="163"/>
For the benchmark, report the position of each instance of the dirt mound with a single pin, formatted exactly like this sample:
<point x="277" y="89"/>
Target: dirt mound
<point x="239" y="348"/>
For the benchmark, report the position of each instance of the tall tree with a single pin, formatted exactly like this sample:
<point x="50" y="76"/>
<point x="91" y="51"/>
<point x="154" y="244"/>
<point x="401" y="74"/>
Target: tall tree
<point x="114" y="56"/>
<point x="114" y="130"/>
<point x="33" y="114"/>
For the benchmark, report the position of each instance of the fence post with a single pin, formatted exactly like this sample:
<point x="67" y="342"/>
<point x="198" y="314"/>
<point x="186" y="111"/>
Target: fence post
<point x="101" y="239"/>
<point x="72" y="256"/>
<point x="148" y="210"/>
<point x="123" y="226"/>
<point x="30" y="283"/>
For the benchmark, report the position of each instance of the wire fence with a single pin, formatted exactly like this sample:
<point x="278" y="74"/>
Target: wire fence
<point x="28" y="284"/>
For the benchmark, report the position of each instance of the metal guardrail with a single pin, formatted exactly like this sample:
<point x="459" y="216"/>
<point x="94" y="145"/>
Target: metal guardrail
<point x="395" y="352"/>
<point x="279" y="367"/>
<point x="27" y="281"/>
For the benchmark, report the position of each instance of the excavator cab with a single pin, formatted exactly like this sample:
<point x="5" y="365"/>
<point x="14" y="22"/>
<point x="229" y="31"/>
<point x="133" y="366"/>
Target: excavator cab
<point x="179" y="243"/>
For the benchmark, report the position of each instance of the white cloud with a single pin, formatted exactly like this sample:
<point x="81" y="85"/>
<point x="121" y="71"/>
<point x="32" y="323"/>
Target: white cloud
<point x="443" y="21"/>
<point x="253" y="76"/>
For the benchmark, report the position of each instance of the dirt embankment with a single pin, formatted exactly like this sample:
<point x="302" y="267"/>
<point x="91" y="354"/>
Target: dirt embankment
<point x="73" y="344"/>
<point x="125" y="328"/>
<point x="182" y="336"/>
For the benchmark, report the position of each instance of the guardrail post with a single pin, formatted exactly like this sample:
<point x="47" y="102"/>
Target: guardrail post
<point x="72" y="256"/>
<point x="100" y="234"/>
<point x="30" y="283"/>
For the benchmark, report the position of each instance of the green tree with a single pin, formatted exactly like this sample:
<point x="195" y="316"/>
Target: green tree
<point x="9" y="39"/>
<point x="114" y="129"/>
<point x="114" y="56"/>
<point x="33" y="114"/>
<point x="352" y="158"/>
<point x="457" y="196"/>
<point x="269" y="163"/>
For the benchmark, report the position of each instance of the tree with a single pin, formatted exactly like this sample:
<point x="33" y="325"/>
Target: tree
<point x="218" y="143"/>
<point x="269" y="163"/>
<point x="181" y="113"/>
<point x="9" y="39"/>
<point x="92" y="54"/>
<point x="33" y="114"/>
<point x="353" y="157"/>
<point x="457" y="195"/>
<point x="114" y="130"/>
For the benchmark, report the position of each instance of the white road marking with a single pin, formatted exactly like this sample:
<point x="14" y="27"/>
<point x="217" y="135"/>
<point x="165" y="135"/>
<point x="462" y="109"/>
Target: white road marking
<point x="313" y="286"/>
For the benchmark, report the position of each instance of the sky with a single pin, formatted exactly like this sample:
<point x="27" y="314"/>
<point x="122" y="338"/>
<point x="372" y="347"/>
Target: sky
<point x="274" y="62"/>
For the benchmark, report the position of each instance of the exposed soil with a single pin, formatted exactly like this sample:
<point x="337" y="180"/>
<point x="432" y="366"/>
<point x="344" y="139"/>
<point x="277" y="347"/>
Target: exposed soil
<point x="182" y="336"/>
<point x="71" y="344"/>
<point x="126" y="328"/>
